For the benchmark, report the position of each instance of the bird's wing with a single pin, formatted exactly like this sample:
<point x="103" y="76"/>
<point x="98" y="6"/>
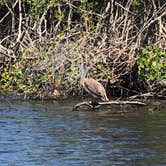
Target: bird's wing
<point x="94" y="87"/>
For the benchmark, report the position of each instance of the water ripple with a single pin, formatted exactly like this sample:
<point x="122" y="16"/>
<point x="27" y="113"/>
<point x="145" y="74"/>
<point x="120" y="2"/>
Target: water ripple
<point x="36" y="133"/>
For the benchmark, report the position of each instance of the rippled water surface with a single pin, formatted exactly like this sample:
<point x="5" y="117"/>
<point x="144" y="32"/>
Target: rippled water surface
<point x="50" y="134"/>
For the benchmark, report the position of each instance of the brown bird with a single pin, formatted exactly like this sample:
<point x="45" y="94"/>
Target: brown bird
<point x="93" y="87"/>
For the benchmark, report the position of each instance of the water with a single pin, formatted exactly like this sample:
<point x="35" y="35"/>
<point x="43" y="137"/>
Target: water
<point x="48" y="133"/>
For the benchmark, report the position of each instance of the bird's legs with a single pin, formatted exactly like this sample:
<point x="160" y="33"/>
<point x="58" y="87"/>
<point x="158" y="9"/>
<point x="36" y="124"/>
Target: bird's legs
<point x="94" y="104"/>
<point x="91" y="104"/>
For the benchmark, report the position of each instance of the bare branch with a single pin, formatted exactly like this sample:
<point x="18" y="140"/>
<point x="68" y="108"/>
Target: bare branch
<point x="9" y="11"/>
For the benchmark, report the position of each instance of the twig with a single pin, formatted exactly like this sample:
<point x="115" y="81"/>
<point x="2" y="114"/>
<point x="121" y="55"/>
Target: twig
<point x="145" y="95"/>
<point x="126" y="9"/>
<point x="13" y="16"/>
<point x="123" y="103"/>
<point x="9" y="11"/>
<point x="148" y="23"/>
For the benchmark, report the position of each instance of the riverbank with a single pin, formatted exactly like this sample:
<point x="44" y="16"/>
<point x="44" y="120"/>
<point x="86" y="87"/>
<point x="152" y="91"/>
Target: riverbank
<point x="42" y="52"/>
<point x="158" y="92"/>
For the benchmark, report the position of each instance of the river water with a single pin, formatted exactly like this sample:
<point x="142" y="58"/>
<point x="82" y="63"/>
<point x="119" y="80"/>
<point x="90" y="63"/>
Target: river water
<point x="47" y="133"/>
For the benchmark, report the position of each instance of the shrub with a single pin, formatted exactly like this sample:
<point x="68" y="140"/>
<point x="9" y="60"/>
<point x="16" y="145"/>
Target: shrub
<point x="152" y="63"/>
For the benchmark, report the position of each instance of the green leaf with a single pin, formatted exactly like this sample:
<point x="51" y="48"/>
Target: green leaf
<point x="74" y="68"/>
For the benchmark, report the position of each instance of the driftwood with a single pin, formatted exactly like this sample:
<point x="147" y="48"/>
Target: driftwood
<point x="150" y="95"/>
<point x="93" y="106"/>
<point x="144" y="95"/>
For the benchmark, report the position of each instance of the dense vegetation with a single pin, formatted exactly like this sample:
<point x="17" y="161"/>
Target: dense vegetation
<point x="43" y="44"/>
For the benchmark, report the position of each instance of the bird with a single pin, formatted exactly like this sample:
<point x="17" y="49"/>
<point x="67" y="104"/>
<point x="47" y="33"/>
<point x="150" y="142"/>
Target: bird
<point x="92" y="86"/>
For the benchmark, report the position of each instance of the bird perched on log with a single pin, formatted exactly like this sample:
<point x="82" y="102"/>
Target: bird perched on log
<point x="93" y="87"/>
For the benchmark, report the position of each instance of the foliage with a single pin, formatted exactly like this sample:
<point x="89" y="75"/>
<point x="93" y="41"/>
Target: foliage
<point x="23" y="75"/>
<point x="43" y="43"/>
<point x="152" y="63"/>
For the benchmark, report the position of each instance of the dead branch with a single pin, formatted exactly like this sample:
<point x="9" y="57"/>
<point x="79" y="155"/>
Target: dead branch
<point x="42" y="19"/>
<point x="126" y="9"/>
<point x="9" y="11"/>
<point x="13" y="15"/>
<point x="153" y="19"/>
<point x="92" y="106"/>
<point x="20" y="21"/>
<point x="7" y="52"/>
<point x="123" y="103"/>
<point x="148" y="95"/>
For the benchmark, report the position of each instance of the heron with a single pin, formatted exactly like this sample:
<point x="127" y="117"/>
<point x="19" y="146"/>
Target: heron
<point x="93" y="87"/>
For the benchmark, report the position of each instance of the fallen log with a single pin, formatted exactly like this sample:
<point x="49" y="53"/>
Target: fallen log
<point x="95" y="105"/>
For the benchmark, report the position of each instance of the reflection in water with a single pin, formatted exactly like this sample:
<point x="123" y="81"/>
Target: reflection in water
<point x="45" y="133"/>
